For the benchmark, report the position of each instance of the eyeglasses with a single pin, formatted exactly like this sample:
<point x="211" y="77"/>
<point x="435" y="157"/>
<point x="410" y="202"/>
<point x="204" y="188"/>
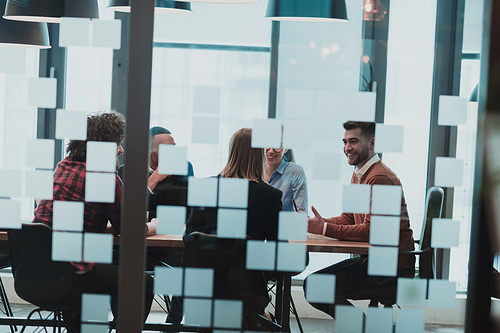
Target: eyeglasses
<point x="276" y="150"/>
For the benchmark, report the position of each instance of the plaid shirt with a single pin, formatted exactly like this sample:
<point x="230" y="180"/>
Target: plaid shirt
<point x="69" y="185"/>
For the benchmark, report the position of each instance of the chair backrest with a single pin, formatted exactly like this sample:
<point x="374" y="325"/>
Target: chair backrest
<point x="37" y="279"/>
<point x="433" y="209"/>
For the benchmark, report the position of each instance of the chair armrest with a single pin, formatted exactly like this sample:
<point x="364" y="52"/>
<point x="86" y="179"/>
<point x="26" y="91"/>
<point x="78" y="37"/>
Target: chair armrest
<point x="416" y="241"/>
<point x="417" y="252"/>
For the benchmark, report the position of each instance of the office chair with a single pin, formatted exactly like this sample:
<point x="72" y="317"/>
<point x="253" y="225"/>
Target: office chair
<point x="385" y="292"/>
<point x="37" y="279"/>
<point x="231" y="278"/>
<point x="4" y="263"/>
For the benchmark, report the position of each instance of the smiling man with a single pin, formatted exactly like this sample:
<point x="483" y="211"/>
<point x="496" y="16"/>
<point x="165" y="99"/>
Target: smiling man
<point x="351" y="274"/>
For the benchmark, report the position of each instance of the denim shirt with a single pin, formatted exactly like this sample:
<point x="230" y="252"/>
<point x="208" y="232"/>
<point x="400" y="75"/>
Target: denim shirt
<point x="290" y="178"/>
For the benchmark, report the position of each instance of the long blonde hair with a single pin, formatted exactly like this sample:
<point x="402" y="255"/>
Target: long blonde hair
<point x="244" y="161"/>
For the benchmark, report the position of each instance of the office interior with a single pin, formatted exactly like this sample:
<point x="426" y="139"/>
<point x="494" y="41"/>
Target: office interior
<point x="424" y="71"/>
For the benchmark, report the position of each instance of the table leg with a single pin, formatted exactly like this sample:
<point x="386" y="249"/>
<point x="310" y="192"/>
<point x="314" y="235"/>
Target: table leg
<point x="287" y="293"/>
<point x="278" y="310"/>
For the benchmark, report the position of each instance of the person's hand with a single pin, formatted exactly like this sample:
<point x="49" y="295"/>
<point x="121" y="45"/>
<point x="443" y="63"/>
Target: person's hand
<point x="155" y="178"/>
<point x="152" y="227"/>
<point x="315" y="224"/>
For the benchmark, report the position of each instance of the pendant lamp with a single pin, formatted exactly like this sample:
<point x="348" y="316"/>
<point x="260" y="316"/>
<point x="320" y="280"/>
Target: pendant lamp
<point x="222" y="1"/>
<point x="50" y="11"/>
<point x="25" y="34"/>
<point x="307" y="10"/>
<point x="161" y="6"/>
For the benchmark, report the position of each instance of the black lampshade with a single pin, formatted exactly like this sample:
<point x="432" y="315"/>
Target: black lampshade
<point x="50" y="11"/>
<point x="473" y="100"/>
<point x="307" y="10"/>
<point x="161" y="6"/>
<point x="26" y="34"/>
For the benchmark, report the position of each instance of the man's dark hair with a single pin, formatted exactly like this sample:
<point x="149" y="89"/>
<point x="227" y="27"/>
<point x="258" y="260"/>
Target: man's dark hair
<point x="367" y="128"/>
<point x="154" y="131"/>
<point x="106" y="126"/>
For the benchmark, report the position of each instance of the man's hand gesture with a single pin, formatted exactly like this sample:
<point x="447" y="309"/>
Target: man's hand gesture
<point x="315" y="224"/>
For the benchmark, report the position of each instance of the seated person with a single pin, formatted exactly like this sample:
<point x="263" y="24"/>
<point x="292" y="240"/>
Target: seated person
<point x="69" y="185"/>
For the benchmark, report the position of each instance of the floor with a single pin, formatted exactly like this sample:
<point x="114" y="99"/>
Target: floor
<point x="308" y="325"/>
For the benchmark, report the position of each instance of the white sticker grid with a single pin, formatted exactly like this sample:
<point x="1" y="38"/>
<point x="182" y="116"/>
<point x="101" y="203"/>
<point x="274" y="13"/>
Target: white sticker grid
<point x="356" y="199"/>
<point x="232" y="223"/>
<point x="198" y="312"/>
<point x="386" y="199"/>
<point x="171" y="220"/>
<point x="292" y="226"/>
<point x="297" y="103"/>
<point x="13" y="60"/>
<point x="71" y="125"/>
<point x="233" y="192"/>
<point x="11" y="181"/>
<point x="202" y="192"/>
<point x="68" y="216"/>
<point x="261" y="255"/>
<point x="100" y="187"/>
<point x="168" y="280"/>
<point x="40" y="154"/>
<point x="449" y="172"/>
<point x="74" y="31"/>
<point x="67" y="246"/>
<point x="296" y="134"/>
<point x="107" y="33"/>
<point x="98" y="248"/>
<point x="42" y="92"/>
<point x="360" y="106"/>
<point x="205" y="130"/>
<point x="384" y="230"/>
<point x="411" y="292"/>
<point x="172" y="160"/>
<point x="445" y="233"/>
<point x="410" y="321"/>
<point x="389" y="138"/>
<point x="326" y="166"/>
<point x="291" y="257"/>
<point x="320" y="288"/>
<point x="452" y="110"/>
<point x="442" y="294"/>
<point x="348" y="319"/>
<point x="95" y="307"/>
<point x="207" y="99"/>
<point x="228" y="313"/>
<point x="379" y="320"/>
<point x="382" y="261"/>
<point x="199" y="282"/>
<point x="101" y="156"/>
<point x="11" y="214"/>
<point x="266" y="133"/>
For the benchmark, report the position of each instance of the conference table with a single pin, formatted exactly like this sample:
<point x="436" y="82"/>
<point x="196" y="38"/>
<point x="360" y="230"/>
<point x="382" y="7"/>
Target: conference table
<point x="313" y="243"/>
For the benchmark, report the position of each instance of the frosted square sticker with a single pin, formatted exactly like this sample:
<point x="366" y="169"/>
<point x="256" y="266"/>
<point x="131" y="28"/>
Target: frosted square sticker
<point x="410" y="321"/>
<point x="292" y="226"/>
<point x="326" y="166"/>
<point x="68" y="216"/>
<point x="356" y="199"/>
<point x="168" y="281"/>
<point x="449" y="172"/>
<point x="39" y="184"/>
<point x="389" y="138"/>
<point x="291" y="257"/>
<point x="205" y="130"/>
<point x="379" y="320"/>
<point x="42" y="92"/>
<point x="206" y="99"/>
<point x="411" y="292"/>
<point x="101" y="156"/>
<point x="100" y="187"/>
<point x="360" y="106"/>
<point x="171" y="220"/>
<point x="71" y="125"/>
<point x="452" y="110"/>
<point x="445" y="233"/>
<point x="94" y="328"/>
<point x="199" y="282"/>
<point x="107" y="33"/>
<point x="296" y="102"/>
<point x="74" y="31"/>
<point x="232" y="223"/>
<point x="442" y="294"/>
<point x="202" y="192"/>
<point x="266" y="133"/>
<point x="11" y="214"/>
<point x="172" y="160"/>
<point x="386" y="199"/>
<point x="98" y="248"/>
<point x="198" y="312"/>
<point x="330" y="105"/>
<point x="67" y="246"/>
<point x="13" y="60"/>
<point x="382" y="261"/>
<point x="40" y="154"/>
<point x="384" y="230"/>
<point x="228" y="313"/>
<point x="233" y="192"/>
<point x="348" y="319"/>
<point x="11" y="181"/>
<point x="95" y="307"/>
<point x="320" y="288"/>
<point x="297" y="134"/>
<point x="261" y="255"/>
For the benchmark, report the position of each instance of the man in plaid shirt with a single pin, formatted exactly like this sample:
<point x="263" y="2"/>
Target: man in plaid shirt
<point x="69" y="185"/>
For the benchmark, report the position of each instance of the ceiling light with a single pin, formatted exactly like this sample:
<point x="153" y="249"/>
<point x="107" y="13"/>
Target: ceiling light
<point x="161" y="6"/>
<point x="307" y="10"/>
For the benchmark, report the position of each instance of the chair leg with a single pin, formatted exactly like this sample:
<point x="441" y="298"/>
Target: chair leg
<point x="296" y="314"/>
<point x="6" y="304"/>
